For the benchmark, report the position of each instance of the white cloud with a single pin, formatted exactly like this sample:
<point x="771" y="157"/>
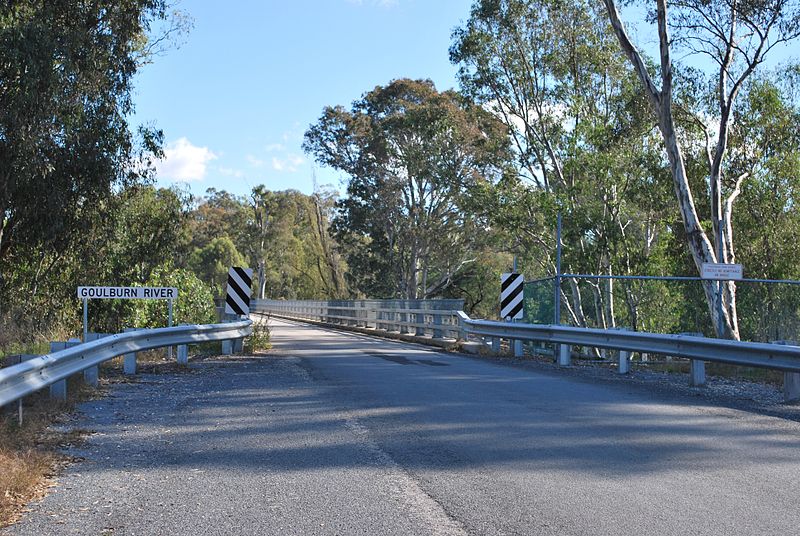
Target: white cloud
<point x="290" y="163"/>
<point x="184" y="162"/>
<point x="275" y="147"/>
<point x="255" y="162"/>
<point x="230" y="172"/>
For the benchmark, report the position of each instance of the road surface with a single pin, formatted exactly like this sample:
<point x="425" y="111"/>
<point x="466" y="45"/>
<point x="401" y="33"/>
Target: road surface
<point x="336" y="433"/>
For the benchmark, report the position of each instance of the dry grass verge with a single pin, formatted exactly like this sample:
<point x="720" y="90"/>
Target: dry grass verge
<point x="30" y="454"/>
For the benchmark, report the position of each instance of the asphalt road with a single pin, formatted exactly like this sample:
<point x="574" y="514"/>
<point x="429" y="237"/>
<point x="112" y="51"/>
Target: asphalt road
<point x="342" y="434"/>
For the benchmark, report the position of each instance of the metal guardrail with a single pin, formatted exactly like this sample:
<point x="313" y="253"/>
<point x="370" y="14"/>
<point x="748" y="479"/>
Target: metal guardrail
<point x="405" y="318"/>
<point x="750" y="354"/>
<point x="783" y="357"/>
<point x="30" y="376"/>
<point x="437" y="318"/>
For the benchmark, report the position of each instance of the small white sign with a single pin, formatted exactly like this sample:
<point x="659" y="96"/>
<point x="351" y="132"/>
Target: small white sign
<point x="721" y="271"/>
<point x="127" y="293"/>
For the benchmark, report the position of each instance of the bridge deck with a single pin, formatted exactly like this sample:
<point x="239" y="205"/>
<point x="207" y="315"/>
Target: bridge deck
<point x="341" y="434"/>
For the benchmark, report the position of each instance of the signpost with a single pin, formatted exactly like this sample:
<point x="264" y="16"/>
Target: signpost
<point x="125" y="293"/>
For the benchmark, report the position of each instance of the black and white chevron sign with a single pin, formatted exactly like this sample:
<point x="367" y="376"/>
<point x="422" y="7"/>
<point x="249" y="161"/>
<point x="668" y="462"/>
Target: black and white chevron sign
<point x="237" y="300"/>
<point x="511" y="287"/>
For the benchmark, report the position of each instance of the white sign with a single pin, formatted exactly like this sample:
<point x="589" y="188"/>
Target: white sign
<point x="127" y="293"/>
<point x="721" y="272"/>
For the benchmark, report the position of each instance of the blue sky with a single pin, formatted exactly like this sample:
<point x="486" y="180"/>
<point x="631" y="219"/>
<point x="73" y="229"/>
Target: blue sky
<point x="235" y="99"/>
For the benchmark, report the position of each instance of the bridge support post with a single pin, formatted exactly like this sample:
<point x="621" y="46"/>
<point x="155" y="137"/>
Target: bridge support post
<point x="564" y="355"/>
<point x="419" y="331"/>
<point x="791" y="386"/>
<point x="624" y="366"/>
<point x="698" y="373"/>
<point x="183" y="354"/>
<point x="437" y="330"/>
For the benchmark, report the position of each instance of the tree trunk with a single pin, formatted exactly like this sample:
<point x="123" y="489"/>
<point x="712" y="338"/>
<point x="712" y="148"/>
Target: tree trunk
<point x="661" y="101"/>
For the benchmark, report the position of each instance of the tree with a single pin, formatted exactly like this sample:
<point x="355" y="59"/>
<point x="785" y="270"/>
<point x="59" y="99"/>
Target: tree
<point x="65" y="93"/>
<point x="736" y="37"/>
<point x="212" y="262"/>
<point x="412" y="154"/>
<point x="551" y="71"/>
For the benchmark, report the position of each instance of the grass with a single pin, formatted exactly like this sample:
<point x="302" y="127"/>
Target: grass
<point x="30" y="454"/>
<point x="260" y="339"/>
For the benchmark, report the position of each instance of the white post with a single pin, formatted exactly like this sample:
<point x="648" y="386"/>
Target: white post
<point x="85" y="318"/>
<point x="564" y="355"/>
<point x="698" y="373"/>
<point x="624" y="362"/>
<point x="169" y="324"/>
<point x="183" y="354"/>
<point x="129" y="359"/>
<point x="791" y="386"/>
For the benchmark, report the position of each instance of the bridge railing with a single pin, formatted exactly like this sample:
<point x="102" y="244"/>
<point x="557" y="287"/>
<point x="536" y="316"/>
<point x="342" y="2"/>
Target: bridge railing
<point x="406" y="317"/>
<point x="34" y="374"/>
<point x="435" y="318"/>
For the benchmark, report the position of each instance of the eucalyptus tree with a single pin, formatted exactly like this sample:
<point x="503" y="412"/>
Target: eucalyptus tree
<point x="551" y="71"/>
<point x="733" y="38"/>
<point x="412" y="156"/>
<point x="66" y="71"/>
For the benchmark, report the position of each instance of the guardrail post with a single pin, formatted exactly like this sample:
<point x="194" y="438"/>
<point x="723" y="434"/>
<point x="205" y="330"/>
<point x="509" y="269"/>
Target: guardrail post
<point x="791" y="380"/>
<point x="791" y="386"/>
<point x="697" y="368"/>
<point x="496" y="345"/>
<point x="183" y="354"/>
<point x="419" y="330"/>
<point x="129" y="360"/>
<point x="238" y="346"/>
<point x="564" y="355"/>
<point x="227" y="347"/>
<point x="698" y="372"/>
<point x="91" y="376"/>
<point x="624" y="366"/>
<point x="58" y="390"/>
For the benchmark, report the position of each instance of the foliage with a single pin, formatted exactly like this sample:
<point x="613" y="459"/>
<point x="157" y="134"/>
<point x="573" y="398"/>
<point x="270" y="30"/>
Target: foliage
<point x="212" y="262"/>
<point x="194" y="305"/>
<point x="65" y="93"/>
<point x="413" y="155"/>
<point x="259" y="340"/>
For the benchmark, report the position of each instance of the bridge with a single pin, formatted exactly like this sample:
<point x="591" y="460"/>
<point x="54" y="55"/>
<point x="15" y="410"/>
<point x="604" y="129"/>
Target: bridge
<point x="336" y="432"/>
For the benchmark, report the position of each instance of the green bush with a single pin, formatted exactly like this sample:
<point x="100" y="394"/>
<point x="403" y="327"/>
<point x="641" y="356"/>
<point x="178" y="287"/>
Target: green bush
<point x="195" y="303"/>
